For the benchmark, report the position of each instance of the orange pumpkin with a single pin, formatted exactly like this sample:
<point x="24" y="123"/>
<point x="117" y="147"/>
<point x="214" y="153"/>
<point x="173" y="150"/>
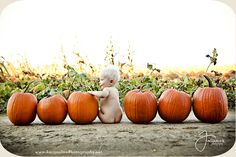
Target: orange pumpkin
<point x="21" y="108"/>
<point x="140" y="107"/>
<point x="174" y="106"/>
<point x="82" y="107"/>
<point x="52" y="110"/>
<point x="210" y="104"/>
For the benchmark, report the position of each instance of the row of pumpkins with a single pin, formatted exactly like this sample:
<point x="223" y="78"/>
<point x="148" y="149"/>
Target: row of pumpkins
<point x="209" y="105"/>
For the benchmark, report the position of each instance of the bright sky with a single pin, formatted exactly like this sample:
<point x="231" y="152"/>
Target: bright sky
<point x="166" y="33"/>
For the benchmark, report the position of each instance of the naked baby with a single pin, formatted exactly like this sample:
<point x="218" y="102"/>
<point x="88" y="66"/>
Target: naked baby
<point x="110" y="110"/>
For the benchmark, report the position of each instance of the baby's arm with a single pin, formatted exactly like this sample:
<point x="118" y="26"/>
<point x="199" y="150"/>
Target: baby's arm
<point x="104" y="93"/>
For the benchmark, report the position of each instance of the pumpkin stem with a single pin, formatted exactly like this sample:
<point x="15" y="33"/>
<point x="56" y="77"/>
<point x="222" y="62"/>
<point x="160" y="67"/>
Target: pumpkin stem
<point x="27" y="86"/>
<point x="209" y="81"/>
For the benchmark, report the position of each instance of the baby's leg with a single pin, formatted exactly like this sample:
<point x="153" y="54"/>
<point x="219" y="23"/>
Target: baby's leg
<point x="105" y="118"/>
<point x="118" y="117"/>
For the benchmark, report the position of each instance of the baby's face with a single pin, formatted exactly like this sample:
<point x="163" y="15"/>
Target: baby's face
<point x="105" y="82"/>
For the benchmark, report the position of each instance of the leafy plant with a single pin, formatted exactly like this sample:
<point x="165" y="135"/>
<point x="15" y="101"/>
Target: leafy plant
<point x="213" y="58"/>
<point x="76" y="79"/>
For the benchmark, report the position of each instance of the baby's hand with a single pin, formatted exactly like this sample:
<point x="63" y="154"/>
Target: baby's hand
<point x="100" y="94"/>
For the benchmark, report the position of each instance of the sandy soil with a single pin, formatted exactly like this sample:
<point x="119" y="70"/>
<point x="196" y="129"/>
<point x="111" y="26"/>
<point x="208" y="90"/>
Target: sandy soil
<point x="126" y="138"/>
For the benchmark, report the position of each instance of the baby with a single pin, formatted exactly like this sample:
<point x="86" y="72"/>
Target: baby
<point x="110" y="110"/>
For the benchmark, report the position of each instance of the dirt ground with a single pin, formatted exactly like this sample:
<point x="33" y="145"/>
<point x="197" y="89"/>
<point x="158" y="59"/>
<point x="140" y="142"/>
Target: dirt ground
<point x="123" y="139"/>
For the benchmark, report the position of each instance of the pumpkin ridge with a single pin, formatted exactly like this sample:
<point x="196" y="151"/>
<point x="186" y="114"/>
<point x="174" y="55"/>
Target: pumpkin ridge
<point x="173" y="96"/>
<point x="19" y="107"/>
<point x="218" y="103"/>
<point x="78" y="101"/>
<point x="48" y="114"/>
<point x="203" y="104"/>
<point x="169" y="101"/>
<point x="13" y="108"/>
<point x="220" y="106"/>
<point x="87" y="111"/>
<point x="136" y="104"/>
<point x="136" y="110"/>
<point x="149" y="100"/>
<point x="210" y="104"/>
<point x="146" y="108"/>
<point x="132" y="100"/>
<point x="181" y="103"/>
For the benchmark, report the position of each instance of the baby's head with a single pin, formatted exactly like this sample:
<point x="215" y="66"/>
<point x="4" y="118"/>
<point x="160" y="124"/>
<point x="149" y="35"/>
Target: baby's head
<point x="109" y="77"/>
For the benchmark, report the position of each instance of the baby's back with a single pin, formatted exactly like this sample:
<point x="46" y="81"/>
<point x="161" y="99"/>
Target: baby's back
<point x="113" y="93"/>
<point x="112" y="101"/>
